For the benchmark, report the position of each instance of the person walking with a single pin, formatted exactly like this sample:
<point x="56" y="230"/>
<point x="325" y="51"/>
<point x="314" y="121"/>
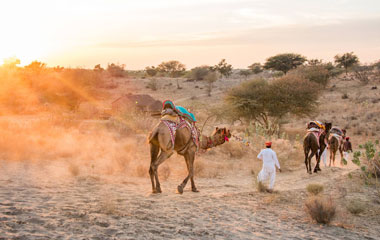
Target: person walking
<point x="270" y="162"/>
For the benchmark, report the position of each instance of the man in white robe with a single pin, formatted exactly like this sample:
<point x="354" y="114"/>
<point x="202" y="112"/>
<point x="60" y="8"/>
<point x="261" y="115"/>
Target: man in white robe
<point x="270" y="161"/>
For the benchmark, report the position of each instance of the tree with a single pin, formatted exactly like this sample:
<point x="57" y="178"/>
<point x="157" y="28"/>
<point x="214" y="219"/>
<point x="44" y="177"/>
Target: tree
<point x="199" y="73"/>
<point x="151" y="71"/>
<point x="173" y="68"/>
<point x="315" y="73"/>
<point x="266" y="103"/>
<point x="256" y="68"/>
<point x="346" y="61"/>
<point x="210" y="78"/>
<point x="245" y="73"/>
<point x="11" y="62"/>
<point x="36" y="67"/>
<point x="116" y="70"/>
<point x="314" y="62"/>
<point x="98" y="68"/>
<point x="284" y="62"/>
<point x="223" y="68"/>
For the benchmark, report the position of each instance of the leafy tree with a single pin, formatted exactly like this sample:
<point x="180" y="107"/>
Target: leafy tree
<point x="266" y="103"/>
<point x="116" y="70"/>
<point x="245" y="73"/>
<point x="199" y="73"/>
<point x="151" y="71"/>
<point x="314" y="62"/>
<point x="346" y="60"/>
<point x="223" y="68"/>
<point x="315" y="73"/>
<point x="36" y="67"/>
<point x="284" y="62"/>
<point x="256" y="68"/>
<point x="173" y="68"/>
<point x="11" y="62"/>
<point x="210" y="78"/>
<point x="98" y="68"/>
<point x="376" y="65"/>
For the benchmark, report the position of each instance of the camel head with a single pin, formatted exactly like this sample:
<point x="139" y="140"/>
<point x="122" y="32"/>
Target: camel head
<point x="328" y="126"/>
<point x="220" y="136"/>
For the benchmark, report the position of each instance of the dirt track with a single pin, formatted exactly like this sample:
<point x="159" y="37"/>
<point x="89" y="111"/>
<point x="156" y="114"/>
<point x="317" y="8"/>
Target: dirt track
<point x="34" y="206"/>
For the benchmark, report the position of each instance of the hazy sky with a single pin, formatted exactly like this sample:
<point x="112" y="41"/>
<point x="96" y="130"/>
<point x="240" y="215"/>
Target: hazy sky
<point x="139" y="33"/>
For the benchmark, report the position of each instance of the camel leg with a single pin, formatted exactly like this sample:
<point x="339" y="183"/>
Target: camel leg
<point x="184" y="182"/>
<point x="341" y="156"/>
<point x="317" y="156"/>
<point x="331" y="154"/>
<point x="189" y="157"/>
<point x="154" y="150"/>
<point x="333" y="158"/>
<point x="161" y="158"/>
<point x="306" y="158"/>
<point x="309" y="161"/>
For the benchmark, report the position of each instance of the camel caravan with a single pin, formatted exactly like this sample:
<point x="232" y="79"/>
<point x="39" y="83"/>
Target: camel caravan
<point x="177" y="132"/>
<point x="322" y="136"/>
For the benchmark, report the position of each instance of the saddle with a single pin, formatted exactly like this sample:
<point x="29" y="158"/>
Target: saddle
<point x="177" y="117"/>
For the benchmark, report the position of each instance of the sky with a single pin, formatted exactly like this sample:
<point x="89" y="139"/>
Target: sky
<point x="140" y="33"/>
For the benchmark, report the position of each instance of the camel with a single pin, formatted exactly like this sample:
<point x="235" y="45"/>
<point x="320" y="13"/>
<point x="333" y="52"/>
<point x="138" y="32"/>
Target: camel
<point x="161" y="148"/>
<point x="310" y="143"/>
<point x="336" y="144"/>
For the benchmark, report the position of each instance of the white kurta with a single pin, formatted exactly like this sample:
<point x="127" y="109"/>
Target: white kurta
<point x="270" y="161"/>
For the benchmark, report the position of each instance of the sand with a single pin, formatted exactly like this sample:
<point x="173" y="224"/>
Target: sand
<point x="38" y="201"/>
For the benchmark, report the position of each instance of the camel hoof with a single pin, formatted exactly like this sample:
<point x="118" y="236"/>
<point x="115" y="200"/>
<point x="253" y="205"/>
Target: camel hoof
<point x="180" y="189"/>
<point x="194" y="190"/>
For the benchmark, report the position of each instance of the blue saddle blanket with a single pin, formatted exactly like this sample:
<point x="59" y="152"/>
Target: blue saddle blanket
<point x="183" y="111"/>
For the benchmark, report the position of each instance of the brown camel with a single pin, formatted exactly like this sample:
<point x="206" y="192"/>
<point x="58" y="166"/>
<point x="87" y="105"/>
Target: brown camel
<point x="335" y="144"/>
<point x="310" y="145"/>
<point x="161" y="148"/>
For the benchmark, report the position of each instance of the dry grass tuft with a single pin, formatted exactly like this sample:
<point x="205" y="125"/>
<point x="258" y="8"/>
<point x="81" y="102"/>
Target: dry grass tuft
<point x="320" y="209"/>
<point x="314" y="188"/>
<point x="355" y="207"/>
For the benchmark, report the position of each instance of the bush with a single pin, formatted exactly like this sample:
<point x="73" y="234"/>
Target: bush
<point x="199" y="73"/>
<point x="266" y="103"/>
<point x="314" y="188"/>
<point x="153" y="84"/>
<point x="320" y="209"/>
<point x="116" y="70"/>
<point x="369" y="162"/>
<point x="355" y="207"/>
<point x="315" y="73"/>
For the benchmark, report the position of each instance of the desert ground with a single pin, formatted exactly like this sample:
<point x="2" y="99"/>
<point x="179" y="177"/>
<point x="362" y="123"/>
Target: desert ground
<point x="64" y="178"/>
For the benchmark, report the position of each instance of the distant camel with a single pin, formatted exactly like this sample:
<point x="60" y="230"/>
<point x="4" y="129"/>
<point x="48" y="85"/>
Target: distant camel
<point x="312" y="145"/>
<point x="161" y="148"/>
<point x="323" y="141"/>
<point x="335" y="144"/>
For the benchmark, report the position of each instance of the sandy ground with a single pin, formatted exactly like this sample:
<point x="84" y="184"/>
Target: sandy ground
<point x="39" y="201"/>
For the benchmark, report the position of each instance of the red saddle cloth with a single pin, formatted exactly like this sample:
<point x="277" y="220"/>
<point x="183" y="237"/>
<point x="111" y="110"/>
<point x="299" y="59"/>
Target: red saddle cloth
<point x="174" y="126"/>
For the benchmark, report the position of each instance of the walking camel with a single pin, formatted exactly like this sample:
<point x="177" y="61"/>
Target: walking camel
<point x="315" y="146"/>
<point x="161" y="148"/>
<point x="335" y="144"/>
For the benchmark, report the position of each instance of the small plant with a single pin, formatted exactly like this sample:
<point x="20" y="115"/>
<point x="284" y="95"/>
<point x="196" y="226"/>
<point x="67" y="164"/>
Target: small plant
<point x="314" y="188"/>
<point x="153" y="84"/>
<point x="320" y="209"/>
<point x="369" y="162"/>
<point x="345" y="96"/>
<point x="355" y="207"/>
